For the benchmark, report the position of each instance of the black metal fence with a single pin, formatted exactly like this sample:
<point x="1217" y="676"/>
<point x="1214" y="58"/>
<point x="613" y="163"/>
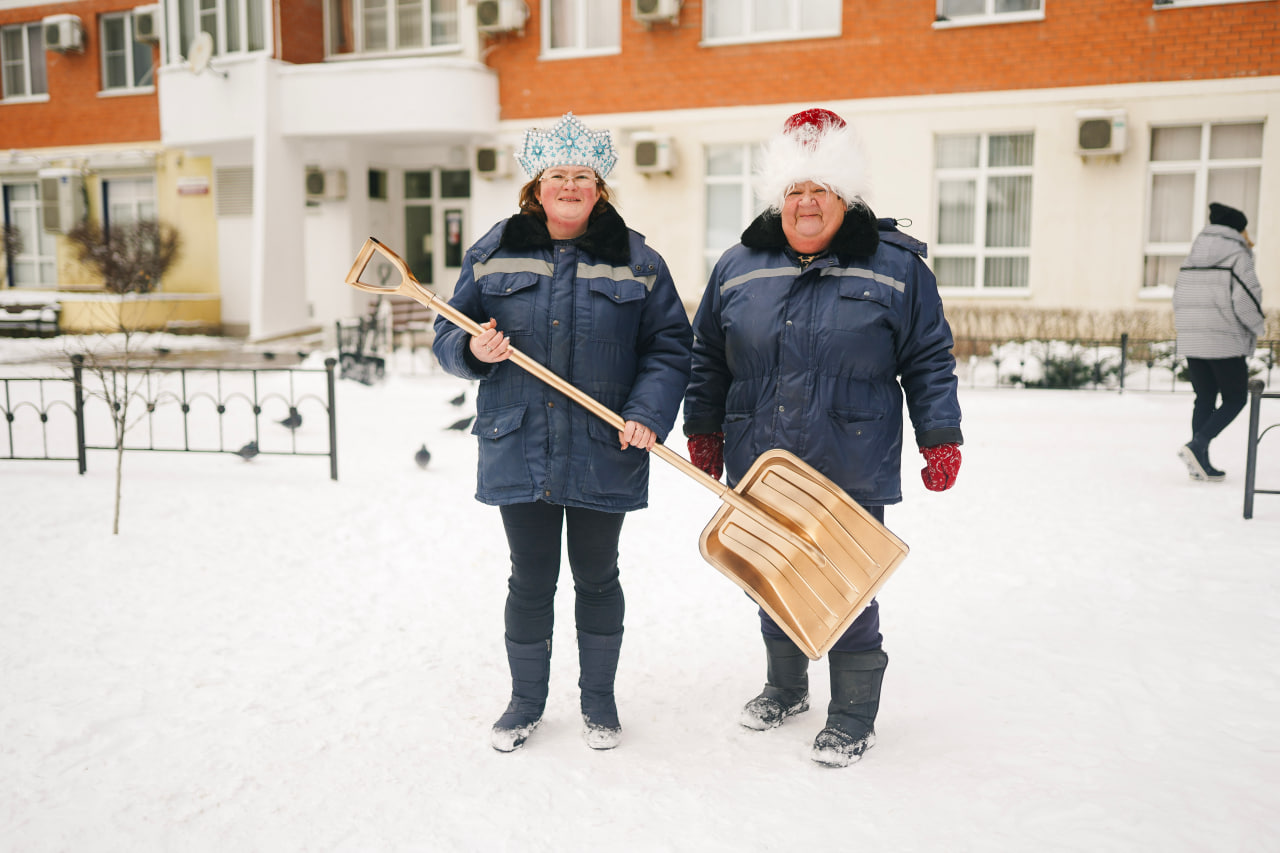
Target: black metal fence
<point x="179" y="410"/>
<point x="1256" y="396"/>
<point x="1123" y="364"/>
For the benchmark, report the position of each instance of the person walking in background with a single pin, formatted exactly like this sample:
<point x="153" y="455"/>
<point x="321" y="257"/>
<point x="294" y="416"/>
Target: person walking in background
<point x="568" y="284"/>
<point x="1217" y="310"/>
<point x="809" y="332"/>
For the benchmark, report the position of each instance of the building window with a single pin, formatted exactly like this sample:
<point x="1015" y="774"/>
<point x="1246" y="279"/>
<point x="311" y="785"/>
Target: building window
<point x="127" y="200"/>
<point x="390" y="26"/>
<point x="126" y="63"/>
<point x="1190" y="166"/>
<point x="983" y="187"/>
<point x="730" y="203"/>
<point x="36" y="264"/>
<point x="769" y="20"/>
<point x="577" y="27"/>
<point x="237" y="26"/>
<point x="989" y="11"/>
<point x="22" y="61"/>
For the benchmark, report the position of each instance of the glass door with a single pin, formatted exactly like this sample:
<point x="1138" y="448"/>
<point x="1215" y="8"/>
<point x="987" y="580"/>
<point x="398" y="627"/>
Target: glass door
<point x="35" y="262"/>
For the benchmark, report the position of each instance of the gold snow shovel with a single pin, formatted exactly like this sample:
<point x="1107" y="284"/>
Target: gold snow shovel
<point x="792" y="539"/>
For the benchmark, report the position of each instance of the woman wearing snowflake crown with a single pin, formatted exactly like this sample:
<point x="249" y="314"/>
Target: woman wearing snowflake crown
<point x="569" y="285"/>
<point x="809" y="333"/>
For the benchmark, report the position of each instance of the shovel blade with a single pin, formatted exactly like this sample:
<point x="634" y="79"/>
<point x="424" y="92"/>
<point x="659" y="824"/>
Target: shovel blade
<point x="813" y="594"/>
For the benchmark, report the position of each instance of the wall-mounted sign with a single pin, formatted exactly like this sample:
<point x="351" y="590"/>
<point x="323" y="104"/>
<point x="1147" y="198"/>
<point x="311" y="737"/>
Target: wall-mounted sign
<point x="193" y="185"/>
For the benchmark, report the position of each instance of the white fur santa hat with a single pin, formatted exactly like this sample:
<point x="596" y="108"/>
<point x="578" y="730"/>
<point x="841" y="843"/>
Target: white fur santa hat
<point x="814" y="145"/>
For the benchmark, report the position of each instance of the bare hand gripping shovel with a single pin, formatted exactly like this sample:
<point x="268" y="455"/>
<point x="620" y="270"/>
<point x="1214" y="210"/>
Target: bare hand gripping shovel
<point x="792" y="539"/>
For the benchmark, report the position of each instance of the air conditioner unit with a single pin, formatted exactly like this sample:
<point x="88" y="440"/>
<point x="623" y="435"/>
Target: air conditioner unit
<point x="1100" y="133"/>
<point x="62" y="33"/>
<point x="649" y="11"/>
<point x="146" y="24"/>
<point x="500" y="16"/>
<point x="326" y="184"/>
<point x="654" y="153"/>
<point x="62" y="199"/>
<point x="493" y="163"/>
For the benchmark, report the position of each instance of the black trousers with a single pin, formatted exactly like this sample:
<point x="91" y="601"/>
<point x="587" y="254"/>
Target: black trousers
<point x="1211" y="377"/>
<point x="533" y="535"/>
<point x="861" y="636"/>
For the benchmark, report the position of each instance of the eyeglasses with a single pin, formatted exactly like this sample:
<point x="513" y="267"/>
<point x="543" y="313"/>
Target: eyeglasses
<point x="559" y="179"/>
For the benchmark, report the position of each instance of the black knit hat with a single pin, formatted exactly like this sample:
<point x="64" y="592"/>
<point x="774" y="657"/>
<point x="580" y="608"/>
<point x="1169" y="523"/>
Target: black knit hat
<point x="1220" y="214"/>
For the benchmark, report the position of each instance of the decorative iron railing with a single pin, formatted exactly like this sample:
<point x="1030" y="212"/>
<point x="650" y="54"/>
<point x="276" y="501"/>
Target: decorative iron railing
<point x="171" y="409"/>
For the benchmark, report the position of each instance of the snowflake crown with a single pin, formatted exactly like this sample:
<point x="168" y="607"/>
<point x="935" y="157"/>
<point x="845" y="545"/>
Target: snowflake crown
<point x="568" y="143"/>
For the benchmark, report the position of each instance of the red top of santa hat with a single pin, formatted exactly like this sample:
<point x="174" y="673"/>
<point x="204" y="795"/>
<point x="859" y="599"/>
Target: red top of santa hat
<point x="816" y="121"/>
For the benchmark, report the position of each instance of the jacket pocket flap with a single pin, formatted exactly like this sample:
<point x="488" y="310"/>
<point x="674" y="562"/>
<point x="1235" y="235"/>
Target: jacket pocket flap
<point x="505" y="285"/>
<point x="866" y="290"/>
<point x="624" y="290"/>
<point x="499" y="422"/>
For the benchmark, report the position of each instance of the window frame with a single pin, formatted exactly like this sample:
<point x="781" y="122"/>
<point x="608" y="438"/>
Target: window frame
<point x="130" y="53"/>
<point x="978" y="250"/>
<point x="750" y="153"/>
<point x="337" y="27"/>
<point x="793" y="33"/>
<point x="987" y="17"/>
<point x="578" y="50"/>
<point x="1199" y="169"/>
<point x="212" y="16"/>
<point x="29" y="94"/>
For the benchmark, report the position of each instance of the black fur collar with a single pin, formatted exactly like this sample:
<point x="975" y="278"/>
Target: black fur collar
<point x="606" y="236"/>
<point x="858" y="236"/>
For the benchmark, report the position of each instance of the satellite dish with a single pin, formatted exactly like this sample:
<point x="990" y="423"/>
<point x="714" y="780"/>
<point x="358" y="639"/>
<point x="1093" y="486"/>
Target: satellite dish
<point x="201" y="53"/>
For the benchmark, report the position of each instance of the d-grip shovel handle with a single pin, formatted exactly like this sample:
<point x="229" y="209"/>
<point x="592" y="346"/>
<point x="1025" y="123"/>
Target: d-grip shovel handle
<point x="411" y="287"/>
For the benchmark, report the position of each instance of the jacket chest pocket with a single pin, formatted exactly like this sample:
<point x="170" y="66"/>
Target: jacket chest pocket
<point x="511" y="300"/>
<point x="615" y="310"/>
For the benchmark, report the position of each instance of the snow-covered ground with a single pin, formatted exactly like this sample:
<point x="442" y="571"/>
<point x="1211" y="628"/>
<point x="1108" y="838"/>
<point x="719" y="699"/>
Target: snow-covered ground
<point x="1082" y="643"/>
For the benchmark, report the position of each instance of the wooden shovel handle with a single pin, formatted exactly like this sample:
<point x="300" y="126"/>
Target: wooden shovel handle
<point x="411" y="287"/>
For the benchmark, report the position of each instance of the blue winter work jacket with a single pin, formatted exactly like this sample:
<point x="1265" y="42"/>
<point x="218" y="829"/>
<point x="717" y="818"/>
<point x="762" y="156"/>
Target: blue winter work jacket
<point x="816" y="360"/>
<point x="600" y="312"/>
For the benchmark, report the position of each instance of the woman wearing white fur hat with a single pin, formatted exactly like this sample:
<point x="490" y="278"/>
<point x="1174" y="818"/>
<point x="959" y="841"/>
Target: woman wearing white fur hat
<point x="809" y="333"/>
<point x="567" y="283"/>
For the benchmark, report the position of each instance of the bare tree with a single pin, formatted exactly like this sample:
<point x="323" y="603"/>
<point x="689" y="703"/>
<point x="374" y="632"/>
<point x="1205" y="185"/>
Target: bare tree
<point x="131" y="259"/>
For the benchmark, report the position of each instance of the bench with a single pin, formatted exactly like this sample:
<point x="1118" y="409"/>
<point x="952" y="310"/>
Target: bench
<point x="29" y="319"/>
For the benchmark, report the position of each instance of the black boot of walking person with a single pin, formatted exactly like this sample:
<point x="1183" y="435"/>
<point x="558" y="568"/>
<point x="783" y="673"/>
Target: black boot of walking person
<point x="855" y="699"/>
<point x="598" y="662"/>
<point x="786" y="689"/>
<point x="530" y="675"/>
<point x="1195" y="454"/>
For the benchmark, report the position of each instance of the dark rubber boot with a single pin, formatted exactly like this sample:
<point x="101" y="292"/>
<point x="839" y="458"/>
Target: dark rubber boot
<point x="855" y="699"/>
<point x="1195" y="455"/>
<point x="786" y="690"/>
<point x="530" y="674"/>
<point x="598" y="664"/>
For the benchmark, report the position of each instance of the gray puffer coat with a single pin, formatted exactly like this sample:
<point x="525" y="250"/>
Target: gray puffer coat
<point x="600" y="312"/>
<point x="1217" y="299"/>
<point x="815" y="361"/>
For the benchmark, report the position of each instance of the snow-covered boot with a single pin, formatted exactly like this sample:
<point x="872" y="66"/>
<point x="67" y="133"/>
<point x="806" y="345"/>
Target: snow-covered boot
<point x="530" y="674"/>
<point x="598" y="661"/>
<point x="786" y="690"/>
<point x="851" y="716"/>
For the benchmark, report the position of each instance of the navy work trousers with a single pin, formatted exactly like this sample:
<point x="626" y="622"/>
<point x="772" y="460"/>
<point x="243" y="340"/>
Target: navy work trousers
<point x="533" y="535"/>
